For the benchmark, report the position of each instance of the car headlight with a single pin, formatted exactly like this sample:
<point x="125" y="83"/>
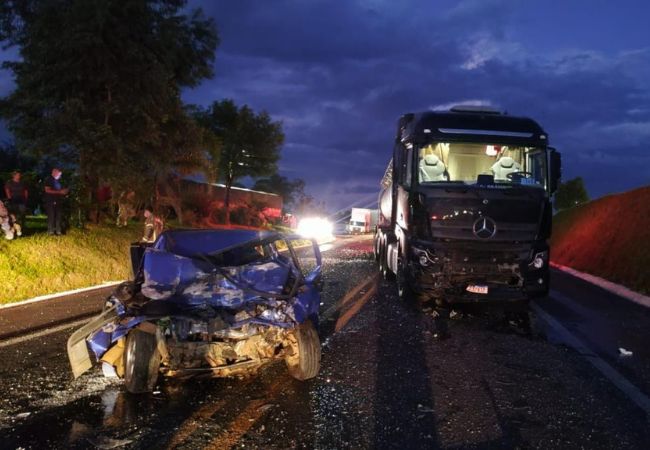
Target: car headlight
<point x="316" y="228"/>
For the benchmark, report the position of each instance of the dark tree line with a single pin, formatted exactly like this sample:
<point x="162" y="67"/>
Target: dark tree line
<point x="97" y="87"/>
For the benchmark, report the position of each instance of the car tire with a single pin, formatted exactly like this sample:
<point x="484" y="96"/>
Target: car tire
<point x="304" y="363"/>
<point x="142" y="362"/>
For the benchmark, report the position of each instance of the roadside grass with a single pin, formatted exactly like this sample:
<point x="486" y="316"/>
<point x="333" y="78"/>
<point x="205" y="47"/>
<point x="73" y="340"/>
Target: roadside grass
<point x="608" y="237"/>
<point x="38" y="264"/>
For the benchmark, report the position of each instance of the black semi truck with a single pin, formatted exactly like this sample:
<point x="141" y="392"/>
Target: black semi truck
<point x="465" y="210"/>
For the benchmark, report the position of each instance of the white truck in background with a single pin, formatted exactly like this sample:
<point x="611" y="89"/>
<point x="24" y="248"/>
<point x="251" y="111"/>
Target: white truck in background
<point x="363" y="220"/>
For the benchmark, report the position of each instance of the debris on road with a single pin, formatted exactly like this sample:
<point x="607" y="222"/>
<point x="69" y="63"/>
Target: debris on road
<point x="624" y="353"/>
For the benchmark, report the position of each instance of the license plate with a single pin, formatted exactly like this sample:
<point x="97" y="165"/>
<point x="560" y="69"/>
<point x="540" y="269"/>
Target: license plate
<point x="477" y="289"/>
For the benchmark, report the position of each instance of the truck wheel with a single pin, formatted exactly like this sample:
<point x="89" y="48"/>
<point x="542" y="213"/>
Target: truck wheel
<point x="375" y="249"/>
<point x="304" y="363"/>
<point x="386" y="273"/>
<point x="142" y="362"/>
<point x="404" y="285"/>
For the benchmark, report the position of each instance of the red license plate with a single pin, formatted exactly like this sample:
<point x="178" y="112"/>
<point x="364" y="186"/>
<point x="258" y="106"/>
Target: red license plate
<point x="477" y="289"/>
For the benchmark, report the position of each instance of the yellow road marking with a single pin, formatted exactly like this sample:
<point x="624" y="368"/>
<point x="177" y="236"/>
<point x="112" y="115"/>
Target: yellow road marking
<point x="354" y="309"/>
<point x="193" y="422"/>
<point x="240" y="425"/>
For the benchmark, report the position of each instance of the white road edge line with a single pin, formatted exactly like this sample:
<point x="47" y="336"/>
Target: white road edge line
<point x="59" y="294"/>
<point x="614" y="288"/>
<point x="618" y="380"/>
<point x="29" y="337"/>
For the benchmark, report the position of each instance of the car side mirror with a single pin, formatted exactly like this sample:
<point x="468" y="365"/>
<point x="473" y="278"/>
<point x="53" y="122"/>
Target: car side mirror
<point x="555" y="170"/>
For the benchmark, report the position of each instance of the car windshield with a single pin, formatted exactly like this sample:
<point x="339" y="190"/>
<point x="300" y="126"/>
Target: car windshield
<point x="464" y="162"/>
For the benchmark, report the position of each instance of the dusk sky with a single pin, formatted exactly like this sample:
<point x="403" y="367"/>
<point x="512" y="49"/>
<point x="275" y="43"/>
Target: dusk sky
<point x="339" y="74"/>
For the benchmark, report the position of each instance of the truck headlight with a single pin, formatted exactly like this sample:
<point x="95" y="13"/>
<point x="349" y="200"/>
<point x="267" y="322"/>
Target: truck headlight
<point x="539" y="260"/>
<point x="422" y="256"/>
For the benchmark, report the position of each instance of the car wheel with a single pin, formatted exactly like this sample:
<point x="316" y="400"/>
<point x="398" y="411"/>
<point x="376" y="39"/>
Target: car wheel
<point x="304" y="362"/>
<point x="142" y="362"/>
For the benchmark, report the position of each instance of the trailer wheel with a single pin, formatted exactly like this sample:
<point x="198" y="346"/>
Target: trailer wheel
<point x="142" y="362"/>
<point x="304" y="363"/>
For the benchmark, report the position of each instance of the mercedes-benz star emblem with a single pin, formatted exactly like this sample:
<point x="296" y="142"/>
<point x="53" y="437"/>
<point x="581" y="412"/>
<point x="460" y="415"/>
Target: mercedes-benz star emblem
<point x="484" y="228"/>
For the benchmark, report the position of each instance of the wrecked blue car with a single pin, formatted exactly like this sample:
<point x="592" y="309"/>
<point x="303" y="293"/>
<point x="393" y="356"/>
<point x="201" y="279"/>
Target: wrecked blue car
<point x="207" y="302"/>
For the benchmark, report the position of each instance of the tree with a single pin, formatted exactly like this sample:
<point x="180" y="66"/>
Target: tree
<point x="570" y="194"/>
<point x="250" y="143"/>
<point x="98" y="84"/>
<point x="292" y="192"/>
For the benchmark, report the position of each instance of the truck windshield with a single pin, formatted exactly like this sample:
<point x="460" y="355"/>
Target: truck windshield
<point x="444" y="162"/>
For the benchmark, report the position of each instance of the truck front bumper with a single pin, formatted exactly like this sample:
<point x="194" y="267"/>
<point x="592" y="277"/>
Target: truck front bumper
<point x="469" y="272"/>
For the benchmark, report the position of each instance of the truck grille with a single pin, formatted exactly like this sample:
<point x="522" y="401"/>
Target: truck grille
<point x="506" y="232"/>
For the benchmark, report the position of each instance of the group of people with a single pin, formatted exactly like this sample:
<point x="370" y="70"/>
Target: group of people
<point x="14" y="209"/>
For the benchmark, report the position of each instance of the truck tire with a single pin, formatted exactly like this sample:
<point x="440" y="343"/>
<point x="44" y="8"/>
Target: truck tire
<point x="306" y="363"/>
<point x="386" y="273"/>
<point x="375" y="248"/>
<point x="142" y="362"/>
<point x="405" y="290"/>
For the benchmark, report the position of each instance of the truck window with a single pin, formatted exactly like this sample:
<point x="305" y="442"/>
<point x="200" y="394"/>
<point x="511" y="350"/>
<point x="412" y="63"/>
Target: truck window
<point x="464" y="162"/>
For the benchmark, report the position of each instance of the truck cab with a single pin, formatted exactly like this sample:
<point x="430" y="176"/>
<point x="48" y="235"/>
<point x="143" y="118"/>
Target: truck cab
<point x="465" y="207"/>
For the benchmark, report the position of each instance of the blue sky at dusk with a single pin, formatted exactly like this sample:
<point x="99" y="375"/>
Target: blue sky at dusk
<point x="339" y="74"/>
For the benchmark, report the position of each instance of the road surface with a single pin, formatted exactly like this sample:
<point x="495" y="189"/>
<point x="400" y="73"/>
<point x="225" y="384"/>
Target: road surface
<point x="385" y="382"/>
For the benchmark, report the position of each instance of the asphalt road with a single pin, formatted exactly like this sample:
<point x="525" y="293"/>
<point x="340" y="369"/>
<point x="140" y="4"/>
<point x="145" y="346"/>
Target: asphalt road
<point x="385" y="382"/>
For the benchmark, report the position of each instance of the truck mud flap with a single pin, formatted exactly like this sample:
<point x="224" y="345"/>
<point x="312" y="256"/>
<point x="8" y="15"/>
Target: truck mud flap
<point x="78" y="353"/>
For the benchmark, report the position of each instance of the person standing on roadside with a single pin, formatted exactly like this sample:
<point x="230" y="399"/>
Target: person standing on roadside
<point x="17" y="195"/>
<point x="153" y="226"/>
<point x="53" y="199"/>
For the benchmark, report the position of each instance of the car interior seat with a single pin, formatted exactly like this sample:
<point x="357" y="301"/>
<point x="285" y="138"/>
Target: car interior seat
<point x="432" y="169"/>
<point x="504" y="166"/>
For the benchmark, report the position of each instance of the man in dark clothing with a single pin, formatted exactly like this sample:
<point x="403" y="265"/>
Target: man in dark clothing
<point x="53" y="199"/>
<point x="17" y="195"/>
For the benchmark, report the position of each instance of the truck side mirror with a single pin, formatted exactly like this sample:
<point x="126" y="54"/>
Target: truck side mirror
<point x="555" y="170"/>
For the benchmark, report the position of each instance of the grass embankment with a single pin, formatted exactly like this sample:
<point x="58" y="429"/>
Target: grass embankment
<point x="39" y="264"/>
<point x="608" y="237"/>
